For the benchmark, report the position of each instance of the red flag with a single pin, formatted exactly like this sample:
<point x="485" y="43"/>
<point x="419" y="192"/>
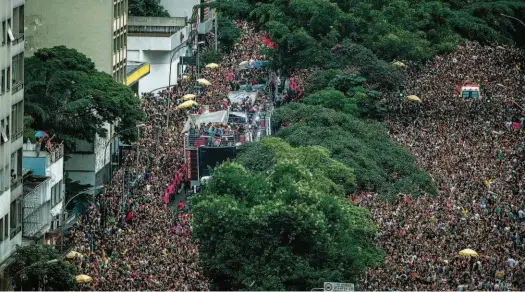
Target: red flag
<point x="269" y="43"/>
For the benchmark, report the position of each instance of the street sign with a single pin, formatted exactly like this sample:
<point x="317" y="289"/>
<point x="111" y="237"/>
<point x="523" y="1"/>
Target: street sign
<point x="333" y="286"/>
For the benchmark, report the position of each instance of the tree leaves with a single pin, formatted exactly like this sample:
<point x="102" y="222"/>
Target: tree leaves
<point x="147" y="8"/>
<point x="65" y="95"/>
<point x="279" y="229"/>
<point x="31" y="265"/>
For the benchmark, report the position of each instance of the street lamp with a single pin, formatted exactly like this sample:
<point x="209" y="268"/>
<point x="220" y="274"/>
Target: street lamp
<point x="62" y="214"/>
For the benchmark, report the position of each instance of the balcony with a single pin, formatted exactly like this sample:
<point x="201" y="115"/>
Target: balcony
<point x="155" y="26"/>
<point x="17" y="86"/>
<point x="19" y="38"/>
<point x="35" y="204"/>
<point x="32" y="158"/>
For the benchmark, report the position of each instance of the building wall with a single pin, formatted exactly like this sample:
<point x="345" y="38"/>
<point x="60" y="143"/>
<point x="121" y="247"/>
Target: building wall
<point x="96" y="28"/>
<point x="86" y="26"/>
<point x="10" y="94"/>
<point x="158" y="51"/>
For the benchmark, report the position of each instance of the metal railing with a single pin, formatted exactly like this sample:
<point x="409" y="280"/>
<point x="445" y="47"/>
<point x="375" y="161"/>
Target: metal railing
<point x="17" y="182"/>
<point x="15" y="231"/>
<point x="17" y="86"/>
<point x="17" y="134"/>
<point x="19" y="38"/>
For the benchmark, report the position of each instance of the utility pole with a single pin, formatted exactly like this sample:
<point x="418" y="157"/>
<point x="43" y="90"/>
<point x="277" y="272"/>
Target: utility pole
<point x="138" y="146"/>
<point x="216" y="25"/>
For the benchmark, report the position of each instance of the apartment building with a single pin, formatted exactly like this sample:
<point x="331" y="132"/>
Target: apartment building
<point x="158" y="42"/>
<point x="97" y="29"/>
<point x="43" y="191"/>
<point x="11" y="124"/>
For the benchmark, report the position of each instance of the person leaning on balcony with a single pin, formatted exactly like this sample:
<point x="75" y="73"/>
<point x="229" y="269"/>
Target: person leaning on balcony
<point x="38" y="146"/>
<point x="13" y="176"/>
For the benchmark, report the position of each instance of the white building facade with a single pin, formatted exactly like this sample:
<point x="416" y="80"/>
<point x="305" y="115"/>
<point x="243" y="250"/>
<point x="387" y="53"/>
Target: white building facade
<point x="11" y="124"/>
<point x="91" y="163"/>
<point x="159" y="41"/>
<point x="43" y="193"/>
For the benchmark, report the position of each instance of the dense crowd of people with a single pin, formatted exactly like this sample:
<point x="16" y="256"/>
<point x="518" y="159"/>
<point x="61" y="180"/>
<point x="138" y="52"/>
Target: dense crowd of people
<point x="133" y="239"/>
<point x="473" y="150"/>
<point x="137" y="235"/>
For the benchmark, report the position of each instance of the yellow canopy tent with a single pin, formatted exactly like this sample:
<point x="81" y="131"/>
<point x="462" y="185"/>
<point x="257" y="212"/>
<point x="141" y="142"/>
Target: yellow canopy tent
<point x="204" y="82"/>
<point x="83" y="279"/>
<point x="212" y="65"/>
<point x="189" y="96"/>
<point x="414" y="98"/>
<point x="73" y="254"/>
<point x="468" y="253"/>
<point x="187" y="104"/>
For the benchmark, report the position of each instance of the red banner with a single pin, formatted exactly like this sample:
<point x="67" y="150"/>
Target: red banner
<point x="188" y="164"/>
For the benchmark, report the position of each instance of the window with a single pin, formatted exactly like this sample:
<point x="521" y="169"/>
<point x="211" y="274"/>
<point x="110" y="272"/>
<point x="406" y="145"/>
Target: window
<point x="7" y="128"/>
<point x="16" y="166"/>
<point x="10" y="31"/>
<point x="21" y="23"/>
<point x="16" y="22"/>
<point x="17" y="119"/>
<point x="2" y="180"/>
<point x="115" y="12"/>
<point x="18" y="71"/>
<point x="15" y="216"/>
<point x="1" y="229"/>
<point x="3" y="134"/>
<point x="56" y="195"/>
<point x="6" y="177"/>
<point x="4" y="31"/>
<point x="6" y="226"/>
<point x="2" y="83"/>
<point x="13" y="212"/>
<point x="8" y="79"/>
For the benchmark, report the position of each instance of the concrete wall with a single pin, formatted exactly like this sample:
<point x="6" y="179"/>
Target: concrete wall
<point x="158" y="51"/>
<point x="85" y="25"/>
<point x="7" y="99"/>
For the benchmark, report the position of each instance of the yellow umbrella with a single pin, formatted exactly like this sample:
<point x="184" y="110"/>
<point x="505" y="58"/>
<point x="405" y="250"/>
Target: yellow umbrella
<point x="189" y="96"/>
<point x="399" y="64"/>
<point x="414" y="98"/>
<point x="204" y="82"/>
<point x="73" y="254"/>
<point x="212" y="65"/>
<point x="187" y="104"/>
<point x="185" y="77"/>
<point x="469" y="253"/>
<point x="83" y="279"/>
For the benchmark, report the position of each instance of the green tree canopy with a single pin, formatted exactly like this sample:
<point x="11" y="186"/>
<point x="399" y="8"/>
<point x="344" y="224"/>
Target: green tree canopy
<point x="280" y="229"/>
<point x="147" y="8"/>
<point x="307" y="30"/>
<point x="65" y="95"/>
<point x="334" y="177"/>
<point x="362" y="145"/>
<point x="32" y="265"/>
<point x="228" y="32"/>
